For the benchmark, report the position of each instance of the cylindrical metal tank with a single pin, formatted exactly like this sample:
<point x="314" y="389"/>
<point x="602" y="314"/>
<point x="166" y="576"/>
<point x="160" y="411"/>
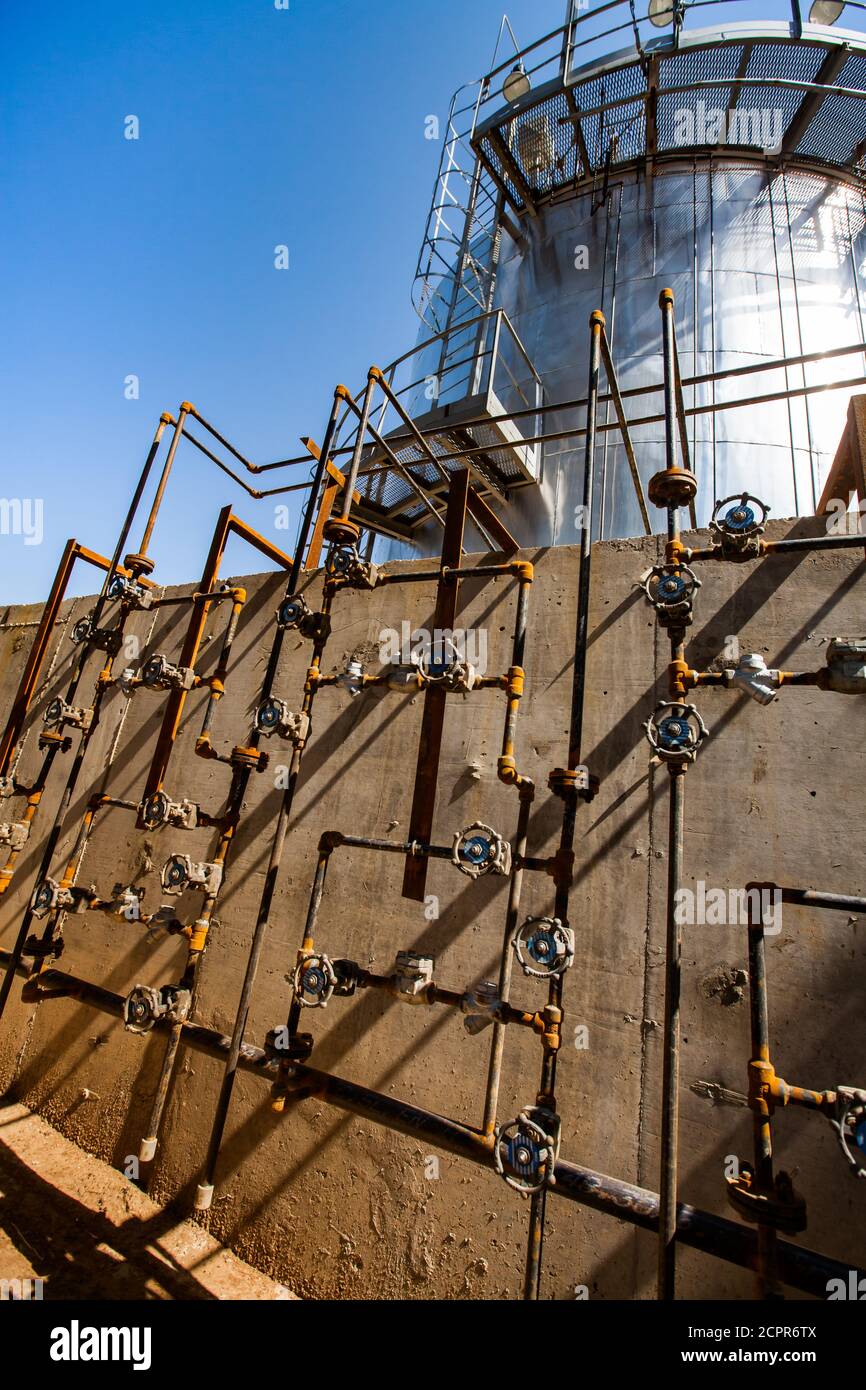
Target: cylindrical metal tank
<point x="604" y="183"/>
<point x="763" y="266"/>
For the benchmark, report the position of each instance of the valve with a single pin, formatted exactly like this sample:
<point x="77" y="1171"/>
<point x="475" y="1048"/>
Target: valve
<point x="144" y="1005"/>
<point x="180" y="873"/>
<point x="412" y="975"/>
<point x="850" y="1126"/>
<point x="544" y="947"/>
<point x="352" y="677"/>
<point x="158" y="673"/>
<point x="126" y="903"/>
<point x="275" y="717"/>
<point x="49" y="896"/>
<point x="158" y="810"/>
<point x="441" y="664"/>
<point x="671" y="593"/>
<point x="677" y="736"/>
<point x="754" y="678"/>
<point x="59" y="714"/>
<point x="344" y="562"/>
<point x="130" y="593"/>
<point x="846" y="667"/>
<point x="778" y="1206"/>
<point x="14" y="835"/>
<point x="295" y="615"/>
<point x="107" y="641"/>
<point x="403" y="678"/>
<point x="480" y="1004"/>
<point x="479" y="850"/>
<point x="315" y="981"/>
<point x="738" y="530"/>
<point x="526" y="1150"/>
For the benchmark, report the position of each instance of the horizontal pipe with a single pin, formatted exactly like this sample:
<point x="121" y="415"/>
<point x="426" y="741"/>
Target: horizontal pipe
<point x="803" y="1269"/>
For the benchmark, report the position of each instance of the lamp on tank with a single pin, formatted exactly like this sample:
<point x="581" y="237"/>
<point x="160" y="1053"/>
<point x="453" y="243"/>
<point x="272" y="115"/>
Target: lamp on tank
<point x="516" y="84"/>
<point x="661" y="13"/>
<point x="826" y="11"/>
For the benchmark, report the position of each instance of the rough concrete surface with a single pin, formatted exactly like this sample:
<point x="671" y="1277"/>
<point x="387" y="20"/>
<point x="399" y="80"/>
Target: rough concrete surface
<point x="333" y="1206"/>
<point x="85" y="1231"/>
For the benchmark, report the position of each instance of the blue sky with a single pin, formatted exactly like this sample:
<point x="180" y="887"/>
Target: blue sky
<point x="155" y="257"/>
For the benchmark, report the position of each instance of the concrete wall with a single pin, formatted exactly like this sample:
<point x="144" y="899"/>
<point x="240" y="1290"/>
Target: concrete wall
<point x="335" y="1207"/>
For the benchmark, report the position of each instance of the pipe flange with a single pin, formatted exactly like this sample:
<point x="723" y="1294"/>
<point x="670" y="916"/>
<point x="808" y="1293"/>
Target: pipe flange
<point x="850" y="1126"/>
<point x="139" y="565"/>
<point x="526" y="1150"/>
<point x="673" y="487"/>
<point x="315" y="980"/>
<point x="340" y="531"/>
<point x="480" y="850"/>
<point x="675" y="732"/>
<point x="544" y="947"/>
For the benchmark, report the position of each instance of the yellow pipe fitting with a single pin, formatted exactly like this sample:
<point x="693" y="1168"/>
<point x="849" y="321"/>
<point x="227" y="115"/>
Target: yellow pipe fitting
<point x="204" y="748"/>
<point x="187" y="408"/>
<point x="524" y="569"/>
<point x="166" y="419"/>
<point x="597" y="319"/>
<point x="198" y="934"/>
<point x="515" y="678"/>
<point x="506" y="769"/>
<point x="239" y="597"/>
<point x="343" y="394"/>
<point x="681" y="678"/>
<point x="675" y="552"/>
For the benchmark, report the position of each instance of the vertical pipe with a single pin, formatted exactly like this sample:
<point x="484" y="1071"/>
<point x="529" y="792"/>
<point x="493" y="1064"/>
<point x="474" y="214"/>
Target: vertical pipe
<point x="762" y="1125"/>
<point x="673" y="943"/>
<point x="163" y="482"/>
<point x="671" y="1069"/>
<point x="366" y="407"/>
<point x="547" y="1093"/>
<point x="205" y="1191"/>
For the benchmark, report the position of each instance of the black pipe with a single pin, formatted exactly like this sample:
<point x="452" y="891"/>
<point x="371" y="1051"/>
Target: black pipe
<point x="803" y="1269"/>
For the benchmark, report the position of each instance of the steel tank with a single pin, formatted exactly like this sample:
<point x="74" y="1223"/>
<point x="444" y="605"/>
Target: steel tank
<point x="763" y="267"/>
<point x="601" y="184"/>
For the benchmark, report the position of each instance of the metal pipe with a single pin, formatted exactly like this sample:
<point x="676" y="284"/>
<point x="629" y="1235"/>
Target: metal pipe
<point x="163" y="481"/>
<point x="547" y="1092"/>
<point x="803" y="1269"/>
<point x="671" y="1067"/>
<point x="762" y="1124"/>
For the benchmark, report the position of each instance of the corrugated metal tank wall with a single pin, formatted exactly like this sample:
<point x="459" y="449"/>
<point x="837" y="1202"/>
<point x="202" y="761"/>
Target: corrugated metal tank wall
<point x="763" y="266"/>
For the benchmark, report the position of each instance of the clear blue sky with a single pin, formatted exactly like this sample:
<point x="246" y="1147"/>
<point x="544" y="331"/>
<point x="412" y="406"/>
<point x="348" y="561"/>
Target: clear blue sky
<point x="155" y="257"/>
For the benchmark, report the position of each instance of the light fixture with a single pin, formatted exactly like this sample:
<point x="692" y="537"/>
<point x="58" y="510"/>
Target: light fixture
<point x="516" y="84"/>
<point x="661" y="13"/>
<point x="826" y="11"/>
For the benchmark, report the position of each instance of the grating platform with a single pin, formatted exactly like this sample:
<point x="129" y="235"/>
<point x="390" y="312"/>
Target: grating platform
<point x="751" y="90"/>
